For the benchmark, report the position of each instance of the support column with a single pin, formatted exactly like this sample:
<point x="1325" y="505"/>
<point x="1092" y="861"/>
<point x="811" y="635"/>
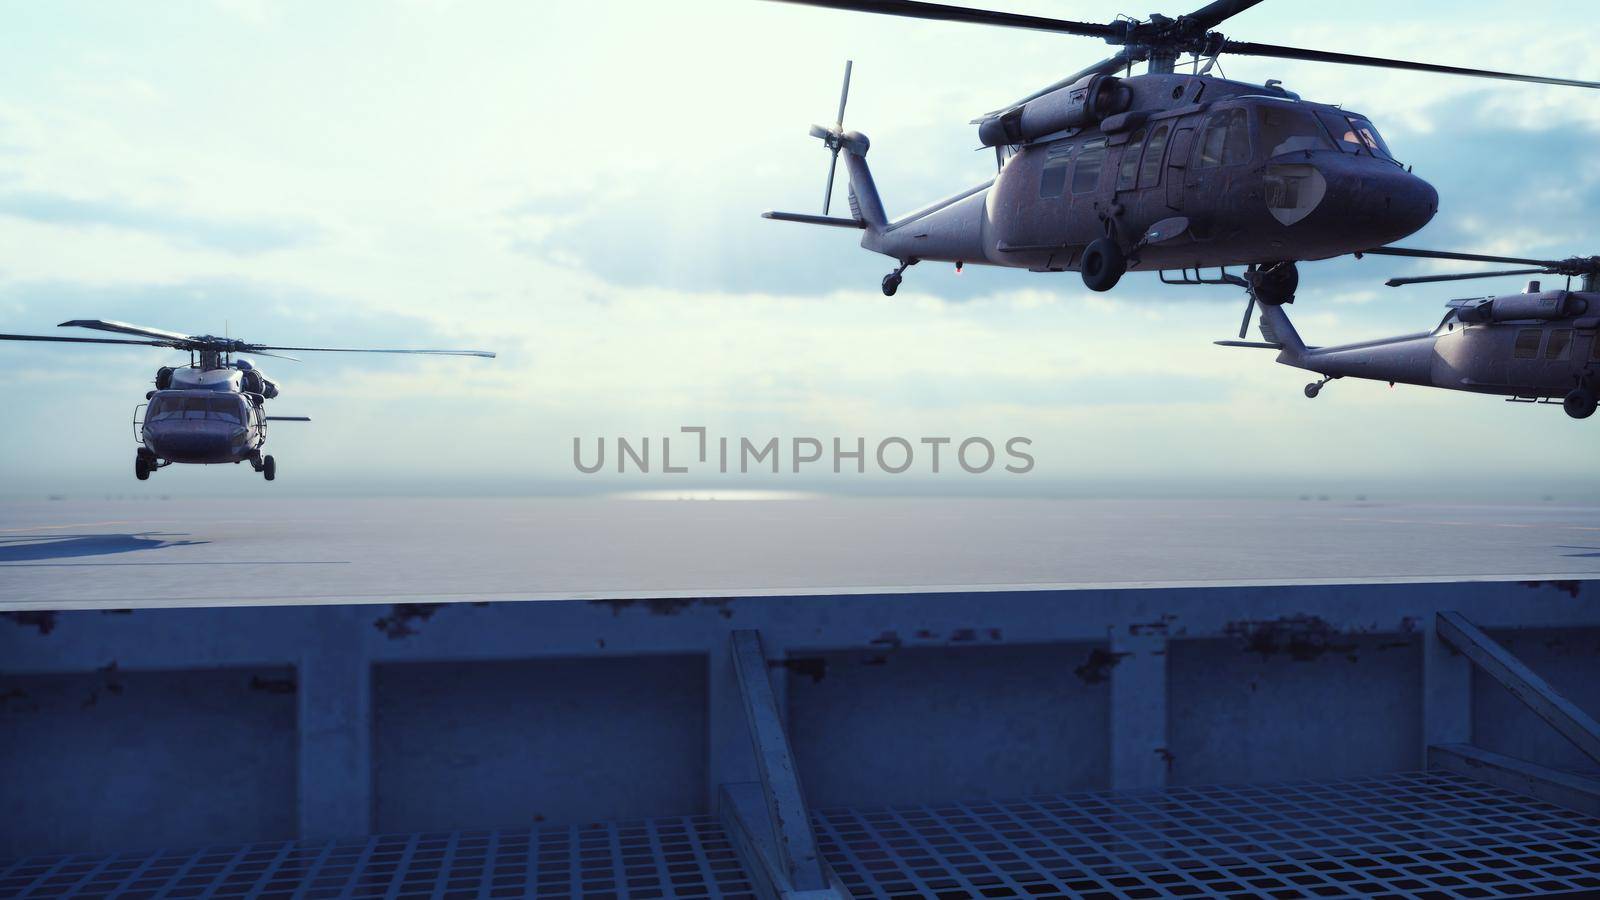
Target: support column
<point x="1138" y="711"/>
<point x="335" y="727"/>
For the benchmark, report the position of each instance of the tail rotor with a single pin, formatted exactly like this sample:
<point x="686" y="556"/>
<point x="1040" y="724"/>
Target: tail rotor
<point x="833" y="138"/>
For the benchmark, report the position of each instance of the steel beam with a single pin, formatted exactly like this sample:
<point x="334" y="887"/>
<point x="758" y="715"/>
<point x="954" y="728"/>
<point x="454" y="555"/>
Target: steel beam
<point x="1566" y="789"/>
<point x="793" y="844"/>
<point x="1503" y="666"/>
<point x="1446" y="692"/>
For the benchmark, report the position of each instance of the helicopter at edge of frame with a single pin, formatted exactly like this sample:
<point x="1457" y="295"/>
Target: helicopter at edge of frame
<point x="1105" y="172"/>
<point x="214" y="409"/>
<point x="1539" y="346"/>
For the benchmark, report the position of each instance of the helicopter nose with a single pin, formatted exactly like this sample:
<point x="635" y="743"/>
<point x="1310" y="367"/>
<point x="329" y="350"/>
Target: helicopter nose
<point x="191" y="444"/>
<point x="1381" y="202"/>
<point x="1398" y="203"/>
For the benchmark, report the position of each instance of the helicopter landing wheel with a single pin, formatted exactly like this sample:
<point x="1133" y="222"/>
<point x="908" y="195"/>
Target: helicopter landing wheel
<point x="269" y="467"/>
<point x="141" y="468"/>
<point x="1274" y="285"/>
<point x="1103" y="265"/>
<point x="891" y="283"/>
<point x="1313" y="389"/>
<point x="1579" y="404"/>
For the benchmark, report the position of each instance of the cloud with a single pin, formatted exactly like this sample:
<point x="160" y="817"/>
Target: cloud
<point x="231" y="236"/>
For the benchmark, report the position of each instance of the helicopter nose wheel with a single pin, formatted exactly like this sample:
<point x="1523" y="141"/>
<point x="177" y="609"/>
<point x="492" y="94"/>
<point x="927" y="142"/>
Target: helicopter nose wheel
<point x="269" y="467"/>
<point x="1103" y="265"/>
<point x="141" y="468"/>
<point x="1580" y="403"/>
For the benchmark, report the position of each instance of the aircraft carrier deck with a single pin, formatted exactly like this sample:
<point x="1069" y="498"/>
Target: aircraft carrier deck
<point x="804" y="698"/>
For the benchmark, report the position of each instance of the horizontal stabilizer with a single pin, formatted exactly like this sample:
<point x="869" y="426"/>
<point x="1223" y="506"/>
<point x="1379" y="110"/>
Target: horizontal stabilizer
<point x="1259" y="345"/>
<point x="804" y="219"/>
<point x="288" y="418"/>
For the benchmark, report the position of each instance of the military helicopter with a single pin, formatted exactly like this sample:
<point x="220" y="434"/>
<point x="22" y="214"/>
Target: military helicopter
<point x="214" y="409"/>
<point x="1530" y="347"/>
<point x="1104" y="172"/>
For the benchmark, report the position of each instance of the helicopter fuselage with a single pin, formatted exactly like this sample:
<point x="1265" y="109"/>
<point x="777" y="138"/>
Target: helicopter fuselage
<point x="1552" y="352"/>
<point x="1258" y="176"/>
<point x="203" y="426"/>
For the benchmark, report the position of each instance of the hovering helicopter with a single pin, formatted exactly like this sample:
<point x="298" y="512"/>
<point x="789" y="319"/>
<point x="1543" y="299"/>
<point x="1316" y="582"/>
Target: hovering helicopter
<point x="1529" y="347"/>
<point x="214" y="409"/>
<point x="1103" y="173"/>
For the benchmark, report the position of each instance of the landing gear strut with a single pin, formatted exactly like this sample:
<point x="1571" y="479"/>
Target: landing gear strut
<point x="266" y="465"/>
<point x="1315" y="387"/>
<point x="1579" y="403"/>
<point x="891" y="281"/>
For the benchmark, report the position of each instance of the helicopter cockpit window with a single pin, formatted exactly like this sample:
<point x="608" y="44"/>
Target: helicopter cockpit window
<point x="1128" y="170"/>
<point x="1154" y="151"/>
<point x="1086" y="177"/>
<point x="1054" y="178"/>
<point x="1226" y="141"/>
<point x="225" y="409"/>
<point x="1287" y="129"/>
<point x="1354" y="134"/>
<point x="164" y="408"/>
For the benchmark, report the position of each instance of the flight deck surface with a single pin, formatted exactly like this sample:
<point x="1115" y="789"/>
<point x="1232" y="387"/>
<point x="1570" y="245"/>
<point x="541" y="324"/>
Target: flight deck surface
<point x="139" y="553"/>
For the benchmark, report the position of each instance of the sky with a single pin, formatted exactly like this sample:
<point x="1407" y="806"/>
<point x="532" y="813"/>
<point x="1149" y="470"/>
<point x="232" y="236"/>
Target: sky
<point x="577" y="186"/>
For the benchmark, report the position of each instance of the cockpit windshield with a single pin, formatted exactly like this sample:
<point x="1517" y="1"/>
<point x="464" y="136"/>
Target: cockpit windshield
<point x="1355" y="134"/>
<point x="221" y="408"/>
<point x="1287" y="129"/>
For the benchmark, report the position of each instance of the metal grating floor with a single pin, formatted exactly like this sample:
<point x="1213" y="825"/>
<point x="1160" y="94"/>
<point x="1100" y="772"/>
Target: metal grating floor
<point x="670" y="857"/>
<point x="1411" y="835"/>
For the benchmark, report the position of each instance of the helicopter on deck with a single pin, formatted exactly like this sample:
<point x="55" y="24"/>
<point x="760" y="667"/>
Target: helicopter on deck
<point x="1105" y="172"/>
<point x="214" y="409"/>
<point x="1530" y="347"/>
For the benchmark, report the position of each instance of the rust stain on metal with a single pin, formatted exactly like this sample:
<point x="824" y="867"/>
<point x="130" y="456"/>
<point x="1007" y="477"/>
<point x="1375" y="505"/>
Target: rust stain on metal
<point x="44" y="620"/>
<point x="1569" y="587"/>
<point x="402" y="616"/>
<point x="815" y="667"/>
<point x="1302" y="638"/>
<point x="1158" y="627"/>
<point x="1097" y="668"/>
<point x="666" y="606"/>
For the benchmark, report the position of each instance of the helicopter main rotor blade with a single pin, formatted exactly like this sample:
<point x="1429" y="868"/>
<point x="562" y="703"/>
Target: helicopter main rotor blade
<point x="78" y="340"/>
<point x="275" y="355"/>
<point x="1415" y="253"/>
<point x="939" y="12"/>
<point x="258" y="348"/>
<point x="1463" y="276"/>
<point x="125" y="328"/>
<point x="1246" y="48"/>
<point x="1213" y="14"/>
